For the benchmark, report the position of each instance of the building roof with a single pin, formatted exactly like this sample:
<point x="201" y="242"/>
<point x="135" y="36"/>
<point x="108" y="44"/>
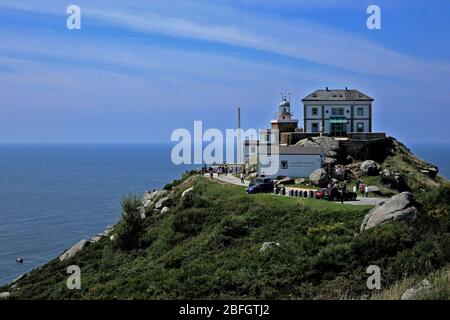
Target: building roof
<point x="299" y="150"/>
<point x="337" y="95"/>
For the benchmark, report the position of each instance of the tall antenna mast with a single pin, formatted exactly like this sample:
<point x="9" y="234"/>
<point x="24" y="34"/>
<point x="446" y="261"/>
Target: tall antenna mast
<point x="286" y="95"/>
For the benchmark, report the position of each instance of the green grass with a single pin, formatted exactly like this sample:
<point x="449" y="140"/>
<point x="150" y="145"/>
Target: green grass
<point x="207" y="247"/>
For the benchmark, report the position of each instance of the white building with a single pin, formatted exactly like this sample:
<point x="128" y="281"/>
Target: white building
<point x="337" y="112"/>
<point x="293" y="161"/>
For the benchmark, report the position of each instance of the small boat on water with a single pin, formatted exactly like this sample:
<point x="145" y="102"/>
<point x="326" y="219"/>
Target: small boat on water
<point x="19" y="260"/>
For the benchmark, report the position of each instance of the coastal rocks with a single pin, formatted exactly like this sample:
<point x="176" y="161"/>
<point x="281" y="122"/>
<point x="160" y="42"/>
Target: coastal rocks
<point x="5" y="295"/>
<point x="370" y="168"/>
<point x="413" y="293"/>
<point x="267" y="245"/>
<point x="149" y="197"/>
<point x="70" y="253"/>
<point x="185" y="192"/>
<point x="161" y="203"/>
<point x="320" y="178"/>
<point x="400" y="207"/>
<point x="430" y="172"/>
<point x="101" y="235"/>
<point x="165" y="210"/>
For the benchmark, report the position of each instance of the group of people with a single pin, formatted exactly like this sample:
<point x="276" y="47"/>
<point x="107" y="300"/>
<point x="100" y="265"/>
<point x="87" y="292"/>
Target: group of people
<point x="222" y="169"/>
<point x="361" y="187"/>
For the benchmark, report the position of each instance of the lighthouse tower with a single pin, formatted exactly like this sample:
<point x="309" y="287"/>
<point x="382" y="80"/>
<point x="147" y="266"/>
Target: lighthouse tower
<point x="284" y="121"/>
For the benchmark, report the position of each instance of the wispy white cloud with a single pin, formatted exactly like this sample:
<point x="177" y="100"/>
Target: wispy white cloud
<point x="218" y="23"/>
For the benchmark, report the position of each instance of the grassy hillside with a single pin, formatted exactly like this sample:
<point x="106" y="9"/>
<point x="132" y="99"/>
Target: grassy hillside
<point x="207" y="246"/>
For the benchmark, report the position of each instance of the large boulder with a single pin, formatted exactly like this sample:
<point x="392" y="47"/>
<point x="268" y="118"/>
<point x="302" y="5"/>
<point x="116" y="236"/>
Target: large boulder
<point x="415" y="292"/>
<point x="319" y="178"/>
<point x="165" y="210"/>
<point x="370" y="168"/>
<point x="399" y="207"/>
<point x="70" y="253"/>
<point x="161" y="203"/>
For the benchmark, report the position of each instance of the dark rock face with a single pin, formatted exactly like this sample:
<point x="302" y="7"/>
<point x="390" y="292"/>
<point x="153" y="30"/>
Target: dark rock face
<point x="395" y="181"/>
<point x="377" y="150"/>
<point x="399" y="207"/>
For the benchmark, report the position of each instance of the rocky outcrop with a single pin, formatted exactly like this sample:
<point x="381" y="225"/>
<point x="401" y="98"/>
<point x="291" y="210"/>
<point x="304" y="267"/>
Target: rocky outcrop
<point x="161" y="203"/>
<point x="267" y="245"/>
<point x="319" y="178"/>
<point x="101" y="235"/>
<point x="150" y="197"/>
<point x="430" y="171"/>
<point x="399" y="207"/>
<point x="185" y="192"/>
<point x="70" y="253"/>
<point x="329" y="146"/>
<point x="370" y="168"/>
<point x="413" y="293"/>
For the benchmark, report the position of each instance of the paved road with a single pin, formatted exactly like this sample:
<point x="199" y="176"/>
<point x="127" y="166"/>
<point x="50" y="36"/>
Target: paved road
<point x="229" y="179"/>
<point x="360" y="201"/>
<point x="363" y="201"/>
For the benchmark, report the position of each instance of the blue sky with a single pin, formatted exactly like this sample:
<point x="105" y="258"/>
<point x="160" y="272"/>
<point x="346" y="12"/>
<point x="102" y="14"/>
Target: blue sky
<point x="137" y="70"/>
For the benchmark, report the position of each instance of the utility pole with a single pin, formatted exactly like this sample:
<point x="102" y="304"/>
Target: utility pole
<point x="239" y="137"/>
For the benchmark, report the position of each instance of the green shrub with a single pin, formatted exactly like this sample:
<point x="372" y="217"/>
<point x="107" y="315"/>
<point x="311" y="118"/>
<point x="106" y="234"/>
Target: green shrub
<point x="130" y="226"/>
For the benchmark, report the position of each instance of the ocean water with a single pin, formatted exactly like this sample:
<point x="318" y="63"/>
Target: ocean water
<point x="52" y="196"/>
<point x="437" y="154"/>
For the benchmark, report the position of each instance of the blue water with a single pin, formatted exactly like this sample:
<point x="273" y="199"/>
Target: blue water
<point x="438" y="155"/>
<point x="52" y="196"/>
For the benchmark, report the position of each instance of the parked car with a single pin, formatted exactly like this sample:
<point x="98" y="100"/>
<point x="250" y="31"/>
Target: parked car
<point x="334" y="194"/>
<point x="259" y="185"/>
<point x="320" y="194"/>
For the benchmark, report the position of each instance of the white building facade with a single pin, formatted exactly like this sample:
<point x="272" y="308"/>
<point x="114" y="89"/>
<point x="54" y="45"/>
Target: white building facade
<point x="291" y="161"/>
<point x="337" y="112"/>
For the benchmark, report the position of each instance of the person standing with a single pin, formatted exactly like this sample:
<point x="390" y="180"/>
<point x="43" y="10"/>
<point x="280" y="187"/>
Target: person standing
<point x="366" y="191"/>
<point x="242" y="177"/>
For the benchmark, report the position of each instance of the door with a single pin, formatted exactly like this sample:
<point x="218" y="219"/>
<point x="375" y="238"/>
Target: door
<point x="338" y="129"/>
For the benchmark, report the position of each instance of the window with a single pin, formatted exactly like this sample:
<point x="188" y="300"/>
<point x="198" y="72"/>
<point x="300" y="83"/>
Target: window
<point x="360" y="127"/>
<point x="315" y="111"/>
<point x="314" y="127"/>
<point x="284" y="164"/>
<point x="360" y="112"/>
<point x="337" y="111"/>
